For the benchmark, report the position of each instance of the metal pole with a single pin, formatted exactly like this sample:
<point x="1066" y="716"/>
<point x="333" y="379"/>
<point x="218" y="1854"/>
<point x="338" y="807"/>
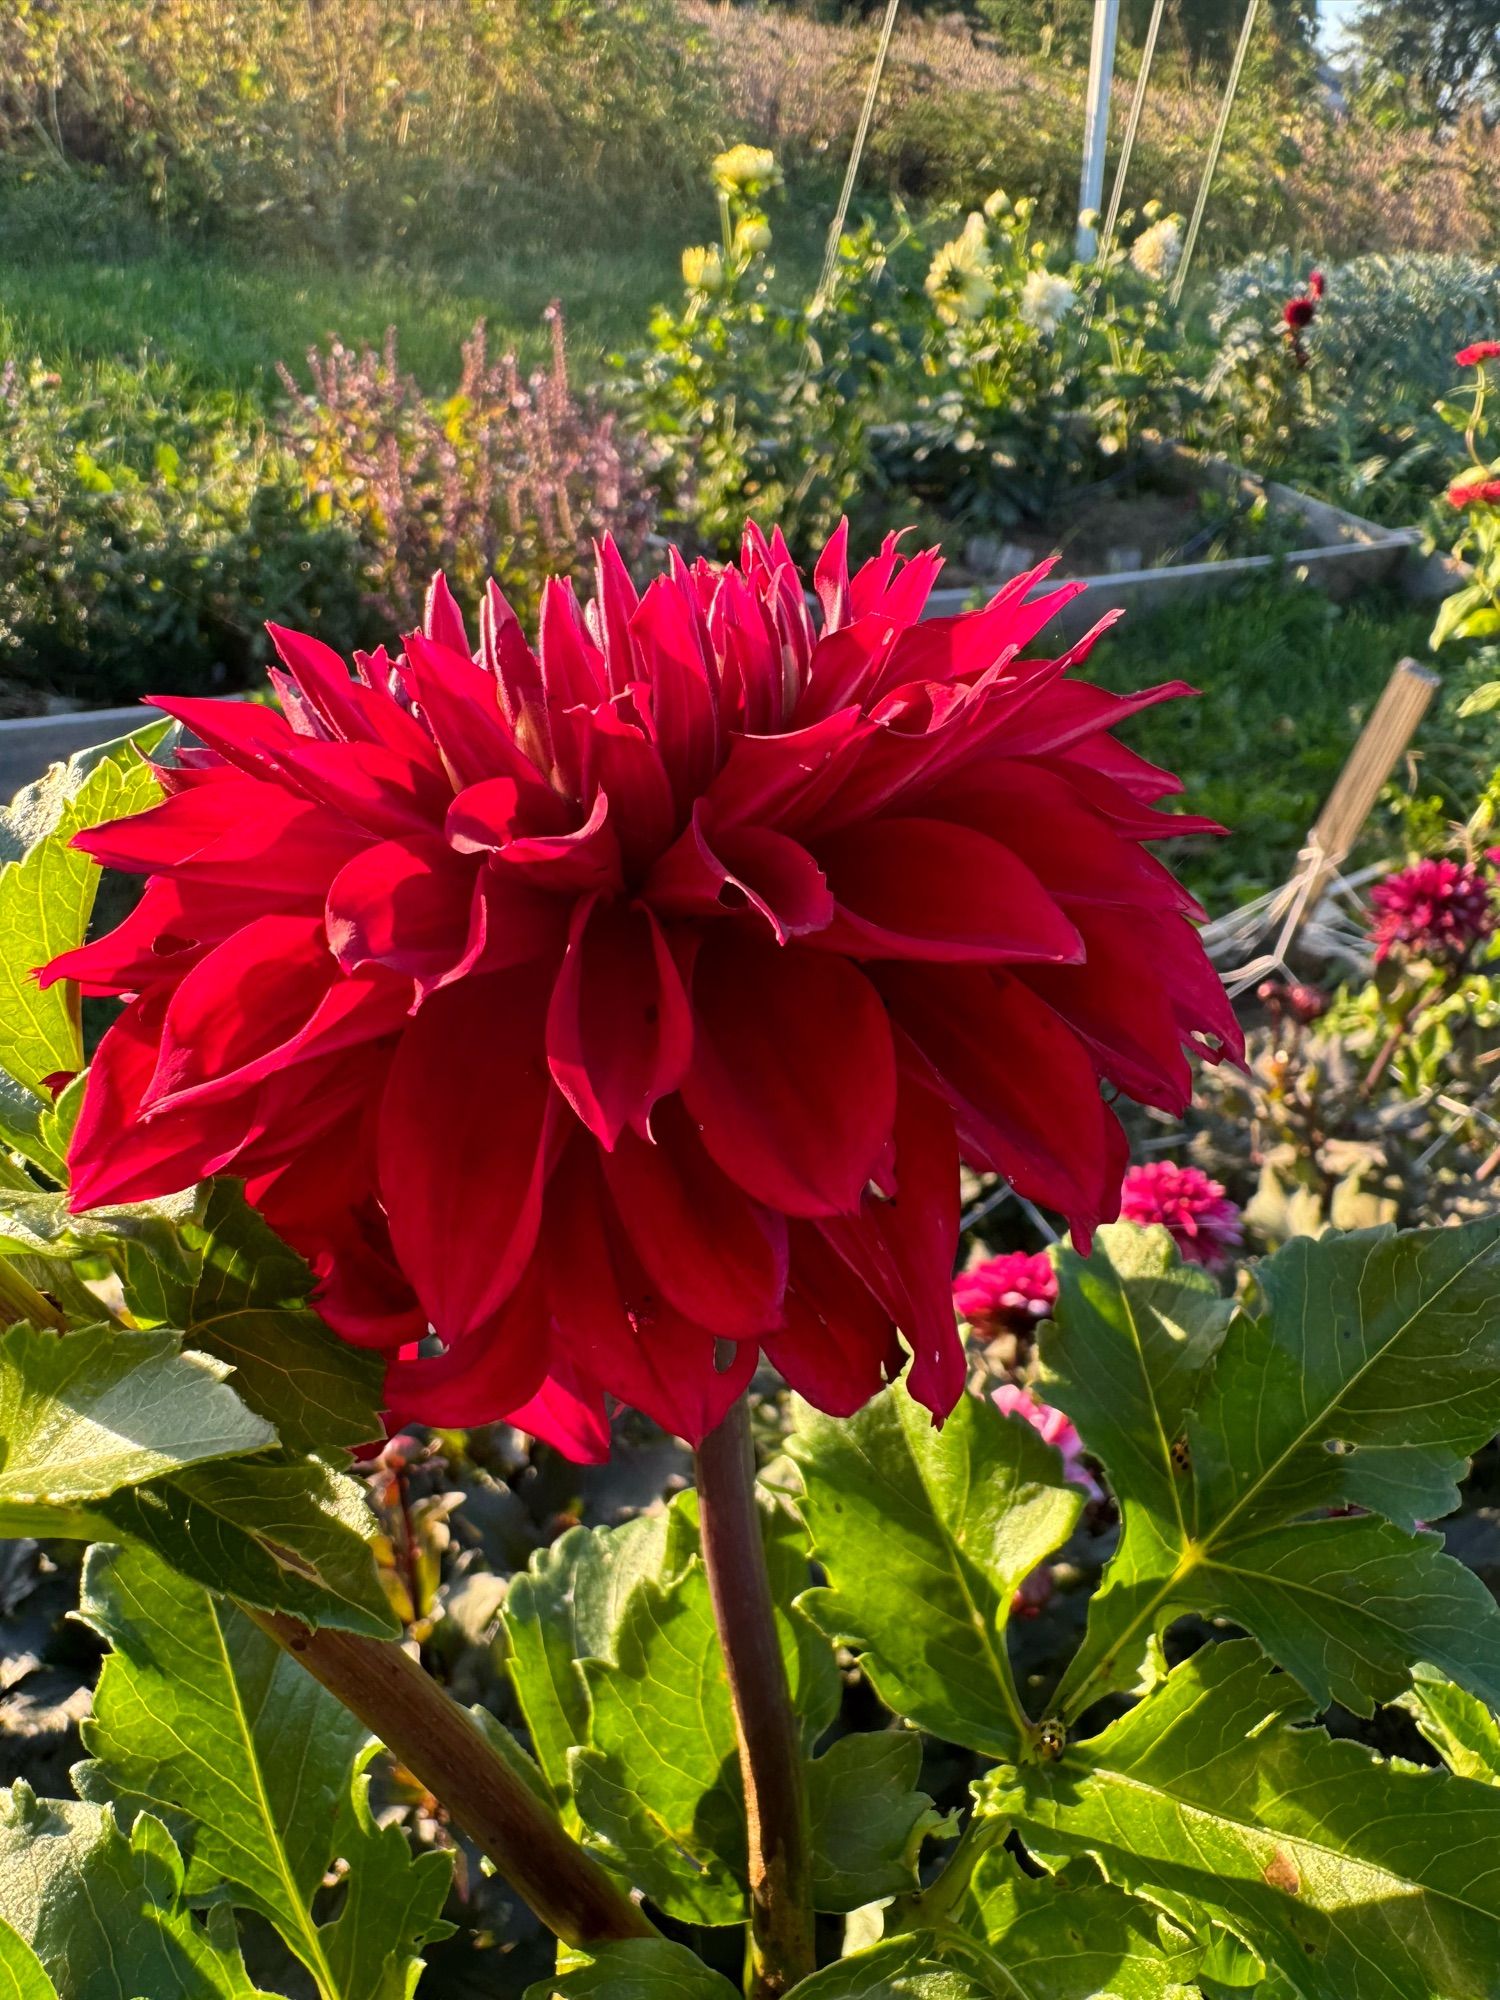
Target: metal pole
<point x="856" y="151"/>
<point x="1211" y="164"/>
<point x="1132" y="126"/>
<point x="1096" y="121"/>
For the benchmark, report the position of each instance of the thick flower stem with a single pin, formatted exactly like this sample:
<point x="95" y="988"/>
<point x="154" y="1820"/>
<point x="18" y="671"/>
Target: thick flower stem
<point x="781" y="1918"/>
<point x="576" y="1898"/>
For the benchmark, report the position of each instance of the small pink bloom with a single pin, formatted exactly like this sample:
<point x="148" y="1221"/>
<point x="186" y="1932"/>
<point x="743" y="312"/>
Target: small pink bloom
<point x="1053" y="1428"/>
<point x="1436" y="909"/>
<point x="1007" y="1294"/>
<point x="1299" y="313"/>
<point x="1317" y="284"/>
<point x="1036" y="1591"/>
<point x="1203" y="1221"/>
<point x="1481" y="350"/>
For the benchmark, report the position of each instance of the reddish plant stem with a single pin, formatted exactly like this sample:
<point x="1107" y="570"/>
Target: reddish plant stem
<point x="572" y="1894"/>
<point x="1395" y="1038"/>
<point x="781" y="1918"/>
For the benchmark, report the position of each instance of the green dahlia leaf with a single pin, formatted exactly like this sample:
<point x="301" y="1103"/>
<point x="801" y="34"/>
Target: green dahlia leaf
<point x="926" y="1535"/>
<point x="567" y="1607"/>
<point x="203" y="1262"/>
<point x="249" y="1307"/>
<point x="103" y="1912"/>
<point x="277" y="1531"/>
<point x="85" y="1414"/>
<point x="655" y="1777"/>
<point x="47" y="891"/>
<point x="1359" y="1880"/>
<point x="1462" y="1730"/>
<point x="910" y="1967"/>
<point x="640" y="1969"/>
<point x="1073" y="1937"/>
<point x="1372" y="1373"/>
<point x="198" y="1713"/>
<point x="658" y="1788"/>
<point x="22" y="1974"/>
<point x="868" y="1818"/>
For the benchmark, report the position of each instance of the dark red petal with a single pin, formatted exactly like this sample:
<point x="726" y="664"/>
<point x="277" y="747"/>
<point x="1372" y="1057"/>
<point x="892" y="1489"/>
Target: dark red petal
<point x="112" y="1156"/>
<point x="615" y="1325"/>
<point x="702" y="874"/>
<point x="247" y="736"/>
<point x="1023" y="1091"/>
<point x="620" y="762"/>
<point x="929" y="889"/>
<point x="904" y="1246"/>
<point x="831" y="578"/>
<point x="384" y="790"/>
<point x="405" y="904"/>
<point x="679" y="696"/>
<point x="270" y="996"/>
<point x="838" y="1348"/>
<point x="463" y="1144"/>
<point x="238" y="836"/>
<point x="462" y="706"/>
<point x="351" y="709"/>
<point x="483" y="1377"/>
<point x="164" y="934"/>
<point x="616" y="602"/>
<point x="1052" y="824"/>
<point x="510" y="923"/>
<point x="717" y="1256"/>
<point x="572" y="665"/>
<point x="793" y="1079"/>
<point x="568" y="1413"/>
<point x="619" y="1030"/>
<point x="781" y="780"/>
<point x="442" y="621"/>
<point x="1118" y="1001"/>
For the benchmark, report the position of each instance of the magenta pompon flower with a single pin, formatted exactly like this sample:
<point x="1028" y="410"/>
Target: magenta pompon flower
<point x="1480" y="351"/>
<point x="1006" y="1294"/>
<point x="1436" y="909"/>
<point x="1201" y="1219"/>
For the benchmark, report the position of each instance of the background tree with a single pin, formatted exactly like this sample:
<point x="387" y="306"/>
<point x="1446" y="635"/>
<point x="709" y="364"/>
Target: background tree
<point x="1435" y="59"/>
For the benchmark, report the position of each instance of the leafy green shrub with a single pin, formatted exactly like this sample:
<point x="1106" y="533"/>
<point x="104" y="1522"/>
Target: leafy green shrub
<point x="961" y="376"/>
<point x="145" y="537"/>
<point x="358" y="121"/>
<point x="1361" y="425"/>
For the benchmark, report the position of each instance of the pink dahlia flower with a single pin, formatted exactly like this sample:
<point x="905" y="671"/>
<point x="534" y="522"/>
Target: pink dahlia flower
<point x="1007" y="1294"/>
<point x="1204" y="1223"/>
<point x="1053" y="1428"/>
<point x="1481" y="350"/>
<point x="622" y="1006"/>
<point x="1435" y="909"/>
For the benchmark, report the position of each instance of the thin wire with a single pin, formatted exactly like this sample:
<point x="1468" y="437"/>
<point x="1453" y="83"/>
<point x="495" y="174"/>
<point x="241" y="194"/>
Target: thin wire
<point x="1127" y="146"/>
<point x="1212" y="163"/>
<point x="867" y="111"/>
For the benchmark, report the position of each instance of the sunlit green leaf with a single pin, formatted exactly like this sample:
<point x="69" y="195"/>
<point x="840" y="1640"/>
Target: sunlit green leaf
<point x="104" y="1912"/>
<point x="84" y="1414"/>
<point x="1360" y="1880"/>
<point x="926" y="1536"/>
<point x="639" y="1969"/>
<point x="198" y="1712"/>
<point x="47" y="891"/>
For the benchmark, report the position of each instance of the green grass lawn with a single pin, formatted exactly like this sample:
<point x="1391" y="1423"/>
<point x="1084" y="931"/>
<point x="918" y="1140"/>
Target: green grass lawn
<point x="83" y="280"/>
<point x="1286" y="680"/>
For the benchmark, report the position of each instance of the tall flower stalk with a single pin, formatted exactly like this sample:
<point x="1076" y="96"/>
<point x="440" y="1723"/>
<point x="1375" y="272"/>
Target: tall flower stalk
<point x="766" y="1727"/>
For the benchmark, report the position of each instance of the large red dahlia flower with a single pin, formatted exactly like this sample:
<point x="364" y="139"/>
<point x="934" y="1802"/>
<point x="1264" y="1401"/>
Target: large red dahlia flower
<point x="619" y="1010"/>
